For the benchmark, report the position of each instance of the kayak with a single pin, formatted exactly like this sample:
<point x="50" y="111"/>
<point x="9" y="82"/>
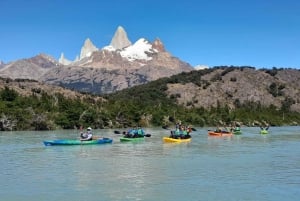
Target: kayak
<point x="131" y="139"/>
<point x="77" y="142"/>
<point x="264" y="131"/>
<point x="172" y="140"/>
<point x="237" y="132"/>
<point x="213" y="133"/>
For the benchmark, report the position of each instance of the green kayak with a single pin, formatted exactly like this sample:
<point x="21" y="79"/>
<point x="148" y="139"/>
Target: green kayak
<point x="77" y="142"/>
<point x="130" y="139"/>
<point x="237" y="132"/>
<point x="264" y="131"/>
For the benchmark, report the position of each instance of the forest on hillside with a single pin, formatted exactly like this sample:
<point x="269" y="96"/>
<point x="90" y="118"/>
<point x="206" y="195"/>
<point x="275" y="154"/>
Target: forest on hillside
<point x="145" y="105"/>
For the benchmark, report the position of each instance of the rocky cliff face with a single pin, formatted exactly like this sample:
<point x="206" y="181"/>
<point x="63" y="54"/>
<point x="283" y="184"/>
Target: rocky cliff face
<point x="62" y="60"/>
<point x="87" y="49"/>
<point x="120" y="39"/>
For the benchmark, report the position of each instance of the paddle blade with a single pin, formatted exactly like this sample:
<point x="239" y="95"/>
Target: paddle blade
<point x="147" y="135"/>
<point x="117" y="132"/>
<point x="165" y="127"/>
<point x="194" y="129"/>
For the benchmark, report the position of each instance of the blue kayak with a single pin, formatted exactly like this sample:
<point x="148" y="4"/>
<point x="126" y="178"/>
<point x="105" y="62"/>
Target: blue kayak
<point x="77" y="142"/>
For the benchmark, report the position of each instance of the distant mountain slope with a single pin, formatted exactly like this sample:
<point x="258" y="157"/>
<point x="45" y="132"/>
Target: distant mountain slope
<point x="32" y="68"/>
<point x="26" y="87"/>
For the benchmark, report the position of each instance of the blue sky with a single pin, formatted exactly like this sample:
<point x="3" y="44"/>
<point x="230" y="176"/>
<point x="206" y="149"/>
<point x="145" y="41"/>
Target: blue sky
<point x="259" y="33"/>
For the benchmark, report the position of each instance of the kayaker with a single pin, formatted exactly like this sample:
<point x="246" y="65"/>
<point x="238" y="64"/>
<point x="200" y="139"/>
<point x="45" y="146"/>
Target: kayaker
<point x="264" y="128"/>
<point x="88" y="135"/>
<point x="188" y="131"/>
<point x="218" y="130"/>
<point x="133" y="132"/>
<point x="176" y="133"/>
<point x="130" y="133"/>
<point x="183" y="132"/>
<point x="140" y="132"/>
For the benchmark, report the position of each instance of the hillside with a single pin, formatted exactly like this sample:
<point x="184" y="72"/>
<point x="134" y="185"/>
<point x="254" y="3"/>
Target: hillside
<point x="221" y="95"/>
<point x="31" y="105"/>
<point x="233" y="87"/>
<point x="210" y="97"/>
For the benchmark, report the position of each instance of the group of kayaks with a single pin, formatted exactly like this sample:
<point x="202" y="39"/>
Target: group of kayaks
<point x="126" y="138"/>
<point x="233" y="132"/>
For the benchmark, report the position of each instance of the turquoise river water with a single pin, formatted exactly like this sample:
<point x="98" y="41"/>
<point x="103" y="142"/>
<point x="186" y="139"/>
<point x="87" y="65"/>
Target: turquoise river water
<point x="248" y="167"/>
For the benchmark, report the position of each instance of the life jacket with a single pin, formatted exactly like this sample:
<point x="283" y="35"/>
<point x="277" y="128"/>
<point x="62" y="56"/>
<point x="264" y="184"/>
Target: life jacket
<point x="140" y="132"/>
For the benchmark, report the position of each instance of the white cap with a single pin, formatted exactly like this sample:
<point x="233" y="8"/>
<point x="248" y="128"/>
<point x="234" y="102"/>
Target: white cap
<point x="89" y="128"/>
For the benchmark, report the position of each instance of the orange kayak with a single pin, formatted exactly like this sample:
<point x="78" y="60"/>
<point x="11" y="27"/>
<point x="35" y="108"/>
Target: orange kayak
<point x="213" y="133"/>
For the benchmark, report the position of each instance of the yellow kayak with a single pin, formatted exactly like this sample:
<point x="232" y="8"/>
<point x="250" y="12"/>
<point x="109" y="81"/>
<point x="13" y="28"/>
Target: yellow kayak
<point x="172" y="140"/>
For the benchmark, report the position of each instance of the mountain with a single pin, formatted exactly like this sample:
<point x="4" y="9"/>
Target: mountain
<point x="107" y="70"/>
<point x="117" y="66"/>
<point x="120" y="39"/>
<point x="87" y="49"/>
<point x="32" y="68"/>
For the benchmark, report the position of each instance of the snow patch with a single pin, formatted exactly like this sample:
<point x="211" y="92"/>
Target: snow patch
<point x="109" y="48"/>
<point x="138" y="50"/>
<point x="201" y="67"/>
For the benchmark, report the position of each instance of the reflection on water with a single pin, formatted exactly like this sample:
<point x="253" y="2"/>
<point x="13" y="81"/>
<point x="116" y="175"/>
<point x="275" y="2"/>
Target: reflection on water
<point x="243" y="167"/>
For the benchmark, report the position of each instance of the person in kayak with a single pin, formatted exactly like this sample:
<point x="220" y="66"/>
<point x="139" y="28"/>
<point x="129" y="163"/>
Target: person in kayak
<point x="185" y="132"/>
<point x="140" y="132"/>
<point x="88" y="135"/>
<point x="264" y="128"/>
<point x="131" y="133"/>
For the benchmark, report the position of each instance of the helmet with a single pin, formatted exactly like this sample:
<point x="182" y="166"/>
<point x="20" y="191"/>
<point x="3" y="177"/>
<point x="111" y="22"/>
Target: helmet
<point x="89" y="129"/>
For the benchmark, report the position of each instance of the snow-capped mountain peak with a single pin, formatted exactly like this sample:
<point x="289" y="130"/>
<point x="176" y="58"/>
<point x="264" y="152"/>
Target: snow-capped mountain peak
<point x="138" y="51"/>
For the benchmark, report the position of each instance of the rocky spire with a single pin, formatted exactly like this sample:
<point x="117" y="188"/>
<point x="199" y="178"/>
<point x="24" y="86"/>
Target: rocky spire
<point x="62" y="60"/>
<point x="158" y="45"/>
<point x="77" y="58"/>
<point x="87" y="49"/>
<point x="120" y="39"/>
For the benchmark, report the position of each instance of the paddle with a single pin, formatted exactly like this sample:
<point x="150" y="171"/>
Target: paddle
<point x="165" y="127"/>
<point x="80" y="131"/>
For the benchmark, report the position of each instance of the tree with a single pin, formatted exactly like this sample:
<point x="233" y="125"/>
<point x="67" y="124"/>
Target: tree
<point x="8" y="94"/>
